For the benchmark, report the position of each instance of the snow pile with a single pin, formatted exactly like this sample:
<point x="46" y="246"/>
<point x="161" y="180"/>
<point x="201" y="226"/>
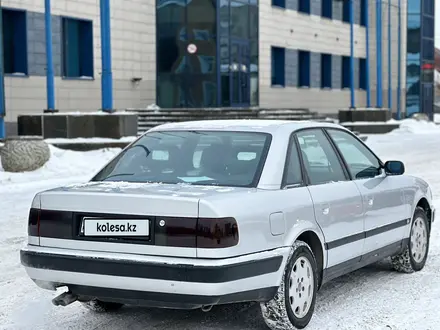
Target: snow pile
<point x="414" y="126"/>
<point x="125" y="139"/>
<point x="63" y="164"/>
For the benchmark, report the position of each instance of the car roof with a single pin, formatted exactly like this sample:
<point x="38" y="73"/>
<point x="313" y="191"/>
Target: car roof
<point x="252" y="125"/>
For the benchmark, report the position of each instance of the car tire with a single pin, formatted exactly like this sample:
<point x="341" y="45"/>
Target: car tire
<point x="102" y="306"/>
<point x="298" y="287"/>
<point x="413" y="258"/>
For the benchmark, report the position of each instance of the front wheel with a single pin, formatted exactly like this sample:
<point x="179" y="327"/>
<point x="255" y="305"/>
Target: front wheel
<point x="294" y="303"/>
<point x="413" y="258"/>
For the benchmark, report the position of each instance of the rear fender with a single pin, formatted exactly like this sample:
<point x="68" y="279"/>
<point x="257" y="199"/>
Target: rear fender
<point x="302" y="226"/>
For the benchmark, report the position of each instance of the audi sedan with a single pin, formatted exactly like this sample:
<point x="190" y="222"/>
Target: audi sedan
<point x="197" y="214"/>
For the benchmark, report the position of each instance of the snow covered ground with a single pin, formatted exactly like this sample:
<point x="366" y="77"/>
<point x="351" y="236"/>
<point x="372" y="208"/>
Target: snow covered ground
<point x="372" y="298"/>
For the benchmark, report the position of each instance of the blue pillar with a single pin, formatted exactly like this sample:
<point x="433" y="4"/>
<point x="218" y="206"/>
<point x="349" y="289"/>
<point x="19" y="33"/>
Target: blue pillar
<point x="352" y="100"/>
<point x="399" y="60"/>
<point x="50" y="85"/>
<point x="106" y="77"/>
<point x="390" y="86"/>
<point x="367" y="35"/>
<point x="379" y="52"/>
<point x="2" y="81"/>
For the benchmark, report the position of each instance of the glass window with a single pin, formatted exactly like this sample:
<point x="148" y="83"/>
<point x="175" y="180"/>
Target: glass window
<point x="77" y="48"/>
<point x="428" y="27"/>
<point x="346" y="11"/>
<point x="327" y="8"/>
<point x="278" y="64"/>
<point x="345" y="72"/>
<point x="14" y="42"/>
<point x="428" y="7"/>
<point x="304" y="68"/>
<point x="414" y="6"/>
<point x="320" y="160"/>
<point x="363" y="73"/>
<point x="428" y="50"/>
<point x="292" y="171"/>
<point x="191" y="157"/>
<point x="279" y="3"/>
<point x="304" y="6"/>
<point x="361" y="162"/>
<point x="239" y="20"/>
<point x="364" y="12"/>
<point x="326" y="71"/>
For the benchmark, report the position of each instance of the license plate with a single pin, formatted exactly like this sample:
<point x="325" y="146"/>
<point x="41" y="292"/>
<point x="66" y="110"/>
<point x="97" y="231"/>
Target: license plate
<point x="116" y="227"/>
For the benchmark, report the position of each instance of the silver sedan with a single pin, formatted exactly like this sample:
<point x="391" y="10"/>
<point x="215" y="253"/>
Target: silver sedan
<point x="196" y="214"/>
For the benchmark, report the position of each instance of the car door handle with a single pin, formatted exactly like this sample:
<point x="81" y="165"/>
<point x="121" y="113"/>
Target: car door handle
<point x="370" y="201"/>
<point x="326" y="210"/>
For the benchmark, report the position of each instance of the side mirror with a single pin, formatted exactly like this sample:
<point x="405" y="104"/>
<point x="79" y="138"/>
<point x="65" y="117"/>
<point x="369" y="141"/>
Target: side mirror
<point x="394" y="167"/>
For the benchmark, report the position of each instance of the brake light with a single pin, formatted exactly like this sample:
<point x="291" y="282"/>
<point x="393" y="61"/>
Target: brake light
<point x="34" y="222"/>
<point x="217" y="233"/>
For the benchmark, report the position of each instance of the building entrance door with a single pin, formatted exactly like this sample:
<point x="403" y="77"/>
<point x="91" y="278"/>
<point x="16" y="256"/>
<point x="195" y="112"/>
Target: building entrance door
<point x="239" y="78"/>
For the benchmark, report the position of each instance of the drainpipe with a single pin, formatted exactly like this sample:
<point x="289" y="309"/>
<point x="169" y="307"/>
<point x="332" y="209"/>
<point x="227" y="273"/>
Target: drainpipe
<point x="367" y="31"/>
<point x="352" y="103"/>
<point x="390" y="86"/>
<point x="399" y="60"/>
<point x="106" y="76"/>
<point x="50" y="85"/>
<point x="379" y="51"/>
<point x="2" y="81"/>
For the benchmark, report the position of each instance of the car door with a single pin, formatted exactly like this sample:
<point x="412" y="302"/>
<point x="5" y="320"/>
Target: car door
<point x="385" y="210"/>
<point x="337" y="201"/>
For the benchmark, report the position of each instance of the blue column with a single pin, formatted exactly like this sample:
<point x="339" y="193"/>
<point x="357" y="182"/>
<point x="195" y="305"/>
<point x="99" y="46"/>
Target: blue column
<point x="367" y="35"/>
<point x="399" y="60"/>
<point x="390" y="86"/>
<point x="2" y="82"/>
<point x="106" y="76"/>
<point x="50" y="85"/>
<point x="379" y="52"/>
<point x="352" y="100"/>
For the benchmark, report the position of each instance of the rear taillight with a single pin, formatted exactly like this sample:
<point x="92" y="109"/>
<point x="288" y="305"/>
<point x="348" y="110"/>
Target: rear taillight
<point x="216" y="233"/>
<point x="34" y="222"/>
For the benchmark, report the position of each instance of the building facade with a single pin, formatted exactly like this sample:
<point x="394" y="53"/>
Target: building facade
<point x="215" y="53"/>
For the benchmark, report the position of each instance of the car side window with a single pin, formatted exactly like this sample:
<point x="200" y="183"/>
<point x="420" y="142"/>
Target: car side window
<point x="292" y="170"/>
<point x="361" y="162"/>
<point x="320" y="159"/>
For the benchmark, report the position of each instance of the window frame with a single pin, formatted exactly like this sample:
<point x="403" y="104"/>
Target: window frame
<point x="341" y="160"/>
<point x="326" y="129"/>
<point x="26" y="48"/>
<point x="304" y="178"/>
<point x="63" y="48"/>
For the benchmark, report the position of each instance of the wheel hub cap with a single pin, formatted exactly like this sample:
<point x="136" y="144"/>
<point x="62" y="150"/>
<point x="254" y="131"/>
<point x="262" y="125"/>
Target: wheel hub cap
<point x="301" y="286"/>
<point x="419" y="240"/>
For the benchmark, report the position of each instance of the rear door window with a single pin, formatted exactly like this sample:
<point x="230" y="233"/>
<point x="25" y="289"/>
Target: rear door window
<point x="320" y="160"/>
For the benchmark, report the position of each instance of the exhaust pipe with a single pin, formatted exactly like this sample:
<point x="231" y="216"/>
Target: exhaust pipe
<point x="207" y="308"/>
<point x="64" y="299"/>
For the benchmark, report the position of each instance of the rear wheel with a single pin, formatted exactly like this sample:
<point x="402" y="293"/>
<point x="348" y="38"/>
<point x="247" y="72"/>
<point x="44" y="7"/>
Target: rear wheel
<point x="102" y="306"/>
<point x="413" y="258"/>
<point x="294" y="303"/>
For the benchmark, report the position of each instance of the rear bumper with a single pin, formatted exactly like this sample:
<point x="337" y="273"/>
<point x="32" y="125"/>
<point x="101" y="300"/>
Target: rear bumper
<point x="157" y="281"/>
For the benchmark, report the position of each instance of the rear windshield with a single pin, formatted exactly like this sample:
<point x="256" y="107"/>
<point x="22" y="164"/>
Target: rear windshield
<point x="191" y="157"/>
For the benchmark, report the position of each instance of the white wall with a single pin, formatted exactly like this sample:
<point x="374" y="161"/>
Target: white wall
<point x="295" y="30"/>
<point x="133" y="54"/>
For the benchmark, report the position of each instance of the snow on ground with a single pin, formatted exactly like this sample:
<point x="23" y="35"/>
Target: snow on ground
<point x="372" y="298"/>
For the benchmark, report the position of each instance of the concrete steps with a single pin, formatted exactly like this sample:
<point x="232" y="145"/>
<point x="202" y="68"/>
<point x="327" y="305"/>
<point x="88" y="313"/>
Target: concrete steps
<point x="148" y="119"/>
